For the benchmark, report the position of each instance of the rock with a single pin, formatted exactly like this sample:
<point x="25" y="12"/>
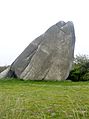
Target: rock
<point x="4" y="73"/>
<point x="48" y="57"/>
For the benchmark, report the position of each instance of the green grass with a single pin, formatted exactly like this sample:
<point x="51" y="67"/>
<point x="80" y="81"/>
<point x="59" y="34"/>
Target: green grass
<point x="44" y="100"/>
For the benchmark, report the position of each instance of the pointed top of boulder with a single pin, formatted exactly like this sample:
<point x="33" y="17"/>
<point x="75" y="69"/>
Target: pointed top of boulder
<point x="60" y="23"/>
<point x="68" y="27"/>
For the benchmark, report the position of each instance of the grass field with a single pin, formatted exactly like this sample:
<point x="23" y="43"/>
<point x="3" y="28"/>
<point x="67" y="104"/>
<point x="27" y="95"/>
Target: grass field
<point x="44" y="100"/>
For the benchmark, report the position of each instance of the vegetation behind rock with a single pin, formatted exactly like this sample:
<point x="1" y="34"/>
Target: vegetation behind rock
<point x="80" y="70"/>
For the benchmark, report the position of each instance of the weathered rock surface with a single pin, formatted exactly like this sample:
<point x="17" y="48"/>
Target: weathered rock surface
<point x="4" y="73"/>
<point x="48" y="57"/>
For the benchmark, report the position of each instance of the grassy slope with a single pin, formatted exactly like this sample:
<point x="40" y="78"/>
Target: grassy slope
<point x="44" y="100"/>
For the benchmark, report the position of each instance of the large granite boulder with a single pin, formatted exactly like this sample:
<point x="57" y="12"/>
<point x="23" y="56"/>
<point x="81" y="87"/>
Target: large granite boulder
<point x="48" y="57"/>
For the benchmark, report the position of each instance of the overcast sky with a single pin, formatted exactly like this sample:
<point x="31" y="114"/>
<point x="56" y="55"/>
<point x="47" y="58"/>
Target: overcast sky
<point x="21" y="21"/>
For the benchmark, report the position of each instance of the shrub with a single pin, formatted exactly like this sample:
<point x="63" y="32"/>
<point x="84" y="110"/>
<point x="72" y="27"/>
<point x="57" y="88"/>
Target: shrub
<point x="86" y="76"/>
<point x="80" y="70"/>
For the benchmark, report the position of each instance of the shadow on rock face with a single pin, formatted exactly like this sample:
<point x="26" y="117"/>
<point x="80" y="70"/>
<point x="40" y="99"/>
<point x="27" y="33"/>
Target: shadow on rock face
<point x="11" y="74"/>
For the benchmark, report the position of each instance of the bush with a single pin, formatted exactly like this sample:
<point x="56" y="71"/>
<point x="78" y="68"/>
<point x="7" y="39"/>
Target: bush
<point x="80" y="70"/>
<point x="85" y="77"/>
